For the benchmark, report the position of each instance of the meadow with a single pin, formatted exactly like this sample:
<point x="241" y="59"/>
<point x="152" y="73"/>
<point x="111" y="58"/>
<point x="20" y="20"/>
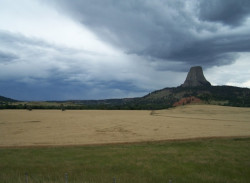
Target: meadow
<point x="192" y="143"/>
<point x="81" y="127"/>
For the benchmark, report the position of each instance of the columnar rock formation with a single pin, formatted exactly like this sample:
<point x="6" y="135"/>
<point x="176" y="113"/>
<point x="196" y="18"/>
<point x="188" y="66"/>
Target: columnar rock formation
<point x="195" y="78"/>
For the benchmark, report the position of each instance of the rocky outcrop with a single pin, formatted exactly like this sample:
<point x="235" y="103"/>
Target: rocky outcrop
<point x="195" y="78"/>
<point x="187" y="100"/>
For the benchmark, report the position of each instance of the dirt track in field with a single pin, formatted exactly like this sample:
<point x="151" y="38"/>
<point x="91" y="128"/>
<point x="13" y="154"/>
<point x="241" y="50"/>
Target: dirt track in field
<point x="81" y="127"/>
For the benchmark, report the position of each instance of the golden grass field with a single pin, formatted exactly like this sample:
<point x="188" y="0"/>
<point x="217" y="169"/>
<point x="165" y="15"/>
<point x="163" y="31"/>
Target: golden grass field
<point x="81" y="127"/>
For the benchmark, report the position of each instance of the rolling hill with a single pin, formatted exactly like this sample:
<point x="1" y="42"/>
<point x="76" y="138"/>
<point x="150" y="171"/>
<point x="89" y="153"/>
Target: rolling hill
<point x="5" y="99"/>
<point x="195" y="89"/>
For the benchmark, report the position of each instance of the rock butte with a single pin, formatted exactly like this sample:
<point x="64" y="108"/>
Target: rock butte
<point x="195" y="78"/>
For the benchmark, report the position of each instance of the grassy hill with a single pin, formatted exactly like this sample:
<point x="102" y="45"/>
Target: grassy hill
<point x="222" y="95"/>
<point x="167" y="97"/>
<point x="5" y="99"/>
<point x="160" y="99"/>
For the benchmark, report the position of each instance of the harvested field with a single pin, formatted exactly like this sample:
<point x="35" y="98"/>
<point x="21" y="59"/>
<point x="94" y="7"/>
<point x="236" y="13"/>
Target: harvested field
<point x="80" y="127"/>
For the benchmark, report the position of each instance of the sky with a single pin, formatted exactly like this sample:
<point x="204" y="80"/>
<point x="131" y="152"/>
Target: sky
<point x="99" y="49"/>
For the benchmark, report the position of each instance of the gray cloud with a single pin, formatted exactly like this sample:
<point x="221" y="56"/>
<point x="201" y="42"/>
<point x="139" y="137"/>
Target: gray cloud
<point x="40" y="64"/>
<point x="17" y="39"/>
<point x="34" y="58"/>
<point x="229" y="12"/>
<point x="166" y="30"/>
<point x="213" y="51"/>
<point x="6" y="57"/>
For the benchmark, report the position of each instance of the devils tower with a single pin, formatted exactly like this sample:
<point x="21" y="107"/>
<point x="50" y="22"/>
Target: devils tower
<point x="195" y="78"/>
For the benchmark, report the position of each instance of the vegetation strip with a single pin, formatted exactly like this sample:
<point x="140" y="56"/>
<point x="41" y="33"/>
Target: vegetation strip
<point x="40" y="146"/>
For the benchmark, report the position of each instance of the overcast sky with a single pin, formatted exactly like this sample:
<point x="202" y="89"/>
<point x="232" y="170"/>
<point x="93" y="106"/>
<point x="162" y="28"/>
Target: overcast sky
<point x="96" y="49"/>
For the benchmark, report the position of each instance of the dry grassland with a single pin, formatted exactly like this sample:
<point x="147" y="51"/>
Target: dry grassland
<point x="55" y="127"/>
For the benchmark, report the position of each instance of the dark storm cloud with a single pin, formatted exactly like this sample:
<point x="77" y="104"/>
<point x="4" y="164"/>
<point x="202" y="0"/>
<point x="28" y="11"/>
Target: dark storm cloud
<point x="167" y="30"/>
<point x="214" y="51"/>
<point x="230" y="12"/>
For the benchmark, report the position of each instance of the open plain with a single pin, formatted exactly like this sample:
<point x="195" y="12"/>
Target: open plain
<point x="82" y="127"/>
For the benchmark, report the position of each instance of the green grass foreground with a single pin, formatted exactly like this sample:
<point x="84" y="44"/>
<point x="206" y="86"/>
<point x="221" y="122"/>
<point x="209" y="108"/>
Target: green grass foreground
<point x="210" y="160"/>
